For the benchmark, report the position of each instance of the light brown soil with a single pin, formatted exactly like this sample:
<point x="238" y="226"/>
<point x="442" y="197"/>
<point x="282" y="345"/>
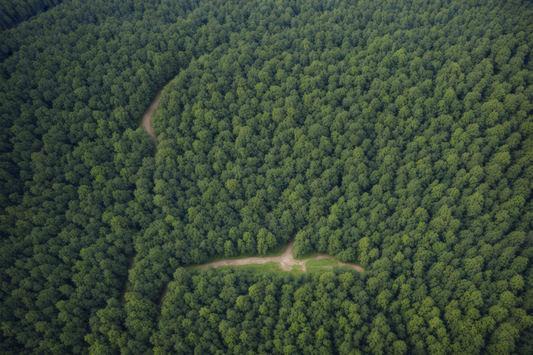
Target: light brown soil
<point x="147" y="124"/>
<point x="286" y="261"/>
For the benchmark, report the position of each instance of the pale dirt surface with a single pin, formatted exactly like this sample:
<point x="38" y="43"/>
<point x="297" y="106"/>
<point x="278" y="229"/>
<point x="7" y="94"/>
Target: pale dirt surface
<point x="286" y="261"/>
<point x="146" y="123"/>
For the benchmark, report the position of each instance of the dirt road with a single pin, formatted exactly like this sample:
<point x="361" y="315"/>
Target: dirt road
<point x="286" y="261"/>
<point x="147" y="124"/>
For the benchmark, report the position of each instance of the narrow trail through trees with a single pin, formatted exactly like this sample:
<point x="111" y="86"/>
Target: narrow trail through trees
<point x="147" y="117"/>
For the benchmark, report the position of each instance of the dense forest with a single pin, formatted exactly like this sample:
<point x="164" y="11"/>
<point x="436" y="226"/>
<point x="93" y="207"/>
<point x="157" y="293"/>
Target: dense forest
<point x="393" y="134"/>
<point x="13" y="12"/>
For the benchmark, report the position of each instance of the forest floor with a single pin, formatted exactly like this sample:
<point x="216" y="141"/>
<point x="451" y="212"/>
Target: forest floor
<point x="286" y="261"/>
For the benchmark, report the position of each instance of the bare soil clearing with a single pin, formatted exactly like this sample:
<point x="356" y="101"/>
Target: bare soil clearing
<point x="286" y="261"/>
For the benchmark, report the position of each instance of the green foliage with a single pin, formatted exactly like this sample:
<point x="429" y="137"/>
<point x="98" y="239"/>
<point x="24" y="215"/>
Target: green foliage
<point x="321" y="262"/>
<point x="246" y="311"/>
<point x="13" y="12"/>
<point x="396" y="134"/>
<point x="269" y="267"/>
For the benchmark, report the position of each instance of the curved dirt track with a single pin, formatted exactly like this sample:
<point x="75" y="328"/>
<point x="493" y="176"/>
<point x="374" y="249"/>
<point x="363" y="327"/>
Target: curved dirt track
<point x="286" y="261"/>
<point x="146" y="123"/>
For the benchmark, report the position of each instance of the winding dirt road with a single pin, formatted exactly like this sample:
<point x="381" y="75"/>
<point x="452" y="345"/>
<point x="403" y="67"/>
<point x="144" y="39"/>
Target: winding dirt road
<point x="286" y="261"/>
<point x="146" y="122"/>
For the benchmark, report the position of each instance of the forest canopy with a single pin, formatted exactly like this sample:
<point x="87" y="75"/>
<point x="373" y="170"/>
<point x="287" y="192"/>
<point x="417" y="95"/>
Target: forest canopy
<point x="395" y="135"/>
<point x="13" y="12"/>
